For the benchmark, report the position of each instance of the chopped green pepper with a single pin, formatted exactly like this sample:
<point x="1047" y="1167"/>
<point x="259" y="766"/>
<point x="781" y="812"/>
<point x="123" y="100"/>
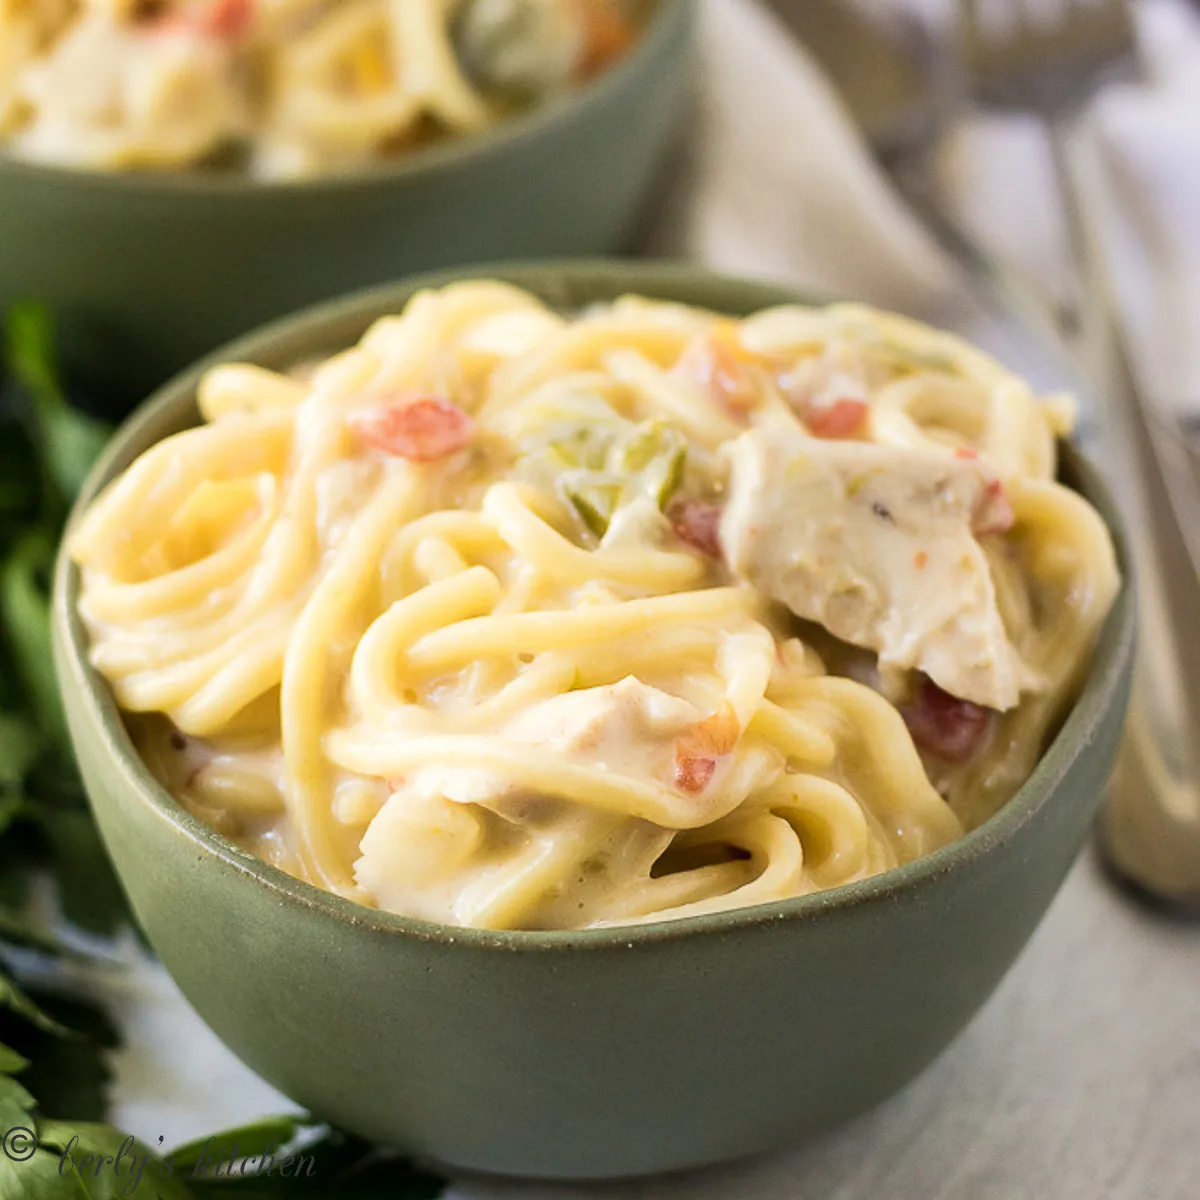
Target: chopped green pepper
<point x="598" y="460"/>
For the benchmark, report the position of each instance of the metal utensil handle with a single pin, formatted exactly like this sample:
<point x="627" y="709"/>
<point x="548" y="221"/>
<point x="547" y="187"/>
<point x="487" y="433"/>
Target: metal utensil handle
<point x="1151" y="826"/>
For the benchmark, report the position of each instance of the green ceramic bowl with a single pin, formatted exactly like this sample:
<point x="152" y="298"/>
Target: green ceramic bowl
<point x="147" y="271"/>
<point x="597" y="1053"/>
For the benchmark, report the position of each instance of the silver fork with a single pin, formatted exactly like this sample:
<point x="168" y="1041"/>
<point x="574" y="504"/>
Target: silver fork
<point x="1023" y="55"/>
<point x="1051" y="63"/>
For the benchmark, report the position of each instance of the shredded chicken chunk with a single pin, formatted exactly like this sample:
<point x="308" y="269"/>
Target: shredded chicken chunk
<point x="880" y="546"/>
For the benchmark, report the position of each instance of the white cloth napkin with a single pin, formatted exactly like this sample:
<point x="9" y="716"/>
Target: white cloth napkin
<point x="780" y="185"/>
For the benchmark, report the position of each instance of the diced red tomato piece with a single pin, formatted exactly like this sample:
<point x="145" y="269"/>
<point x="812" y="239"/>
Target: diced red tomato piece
<point x="226" y="18"/>
<point x="698" y="524"/>
<point x="699" y="750"/>
<point x="943" y="725"/>
<point x="995" y="514"/>
<point x="841" y="419"/>
<point x="694" y="774"/>
<point x="421" y="429"/>
<point x="165" y="25"/>
<point x="608" y="36"/>
<point x="722" y="365"/>
<point x="966" y="452"/>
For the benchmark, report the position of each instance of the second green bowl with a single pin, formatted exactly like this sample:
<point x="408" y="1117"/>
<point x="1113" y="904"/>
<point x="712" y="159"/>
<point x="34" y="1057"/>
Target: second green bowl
<point x="146" y="272"/>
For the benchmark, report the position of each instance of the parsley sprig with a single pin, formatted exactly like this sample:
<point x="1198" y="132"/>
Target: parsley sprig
<point x="53" y="1070"/>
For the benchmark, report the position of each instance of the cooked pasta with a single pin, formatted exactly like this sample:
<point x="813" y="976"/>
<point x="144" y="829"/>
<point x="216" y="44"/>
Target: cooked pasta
<point x="287" y="87"/>
<point x="509" y="618"/>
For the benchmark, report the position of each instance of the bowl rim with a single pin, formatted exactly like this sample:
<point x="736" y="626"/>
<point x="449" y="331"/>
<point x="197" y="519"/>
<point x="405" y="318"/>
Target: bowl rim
<point x="1100" y="691"/>
<point x="669" y="22"/>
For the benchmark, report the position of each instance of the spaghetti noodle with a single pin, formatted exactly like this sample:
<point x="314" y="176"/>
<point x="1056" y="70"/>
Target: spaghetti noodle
<point x="513" y="619"/>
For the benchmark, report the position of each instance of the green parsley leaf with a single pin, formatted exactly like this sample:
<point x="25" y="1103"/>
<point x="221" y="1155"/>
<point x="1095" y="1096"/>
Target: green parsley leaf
<point x="11" y="1063"/>
<point x="13" y="805"/>
<point x="263" y="1137"/>
<point x="19" y="747"/>
<point x="88" y="890"/>
<point x="14" y="999"/>
<point x="25" y="610"/>
<point x="16" y="930"/>
<point x="393" y="1178"/>
<point x="38" y="1179"/>
<point x="15" y="1102"/>
<point x="70" y="440"/>
<point x="337" y="1166"/>
<point x="108" y="1164"/>
<point x="69" y="1076"/>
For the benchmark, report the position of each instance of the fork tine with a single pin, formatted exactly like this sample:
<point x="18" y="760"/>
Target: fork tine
<point x="1116" y="16"/>
<point x="975" y="27"/>
<point x="1109" y="24"/>
<point x="1045" y="59"/>
<point x="1025" y="19"/>
<point x="969" y="16"/>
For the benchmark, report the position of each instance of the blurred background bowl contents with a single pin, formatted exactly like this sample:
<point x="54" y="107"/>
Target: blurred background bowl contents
<point x="287" y="88"/>
<point x="171" y="174"/>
